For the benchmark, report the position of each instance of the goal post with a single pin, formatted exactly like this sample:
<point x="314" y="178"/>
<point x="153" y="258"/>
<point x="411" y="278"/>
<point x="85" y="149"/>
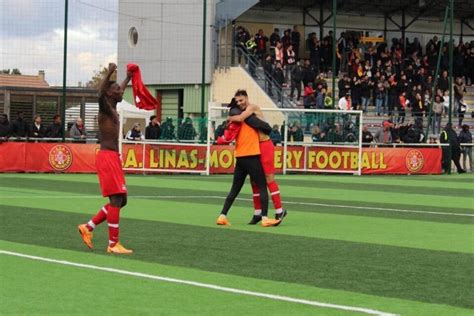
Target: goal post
<point x="307" y="140"/>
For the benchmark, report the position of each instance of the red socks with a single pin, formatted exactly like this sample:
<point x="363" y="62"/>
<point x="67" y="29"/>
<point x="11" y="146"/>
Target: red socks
<point x="113" y="216"/>
<point x="275" y="194"/>
<point x="257" y="205"/>
<point x="98" y="218"/>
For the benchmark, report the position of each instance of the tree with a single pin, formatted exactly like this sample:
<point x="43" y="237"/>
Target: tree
<point x="97" y="77"/>
<point x="14" y="71"/>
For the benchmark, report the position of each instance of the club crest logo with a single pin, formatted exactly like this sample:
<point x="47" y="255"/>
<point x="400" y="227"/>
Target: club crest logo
<point x="414" y="160"/>
<point x="60" y="157"/>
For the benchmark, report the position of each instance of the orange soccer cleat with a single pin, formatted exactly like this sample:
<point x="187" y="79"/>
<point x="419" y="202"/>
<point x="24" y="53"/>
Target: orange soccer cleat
<point x="86" y="235"/>
<point x="119" y="249"/>
<point x="268" y="222"/>
<point x="222" y="220"/>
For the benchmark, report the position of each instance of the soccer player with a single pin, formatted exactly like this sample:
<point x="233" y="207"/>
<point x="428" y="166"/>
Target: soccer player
<point x="247" y="153"/>
<point x="267" y="158"/>
<point x="109" y="165"/>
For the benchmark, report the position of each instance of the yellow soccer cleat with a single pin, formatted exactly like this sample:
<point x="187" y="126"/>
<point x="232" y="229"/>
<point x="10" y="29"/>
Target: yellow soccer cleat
<point x="119" y="249"/>
<point x="86" y="235"/>
<point x="222" y="220"/>
<point x="268" y="222"/>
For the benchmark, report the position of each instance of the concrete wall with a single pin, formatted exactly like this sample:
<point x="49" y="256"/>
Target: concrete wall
<point x="225" y="83"/>
<point x="169" y="46"/>
<point x="191" y="96"/>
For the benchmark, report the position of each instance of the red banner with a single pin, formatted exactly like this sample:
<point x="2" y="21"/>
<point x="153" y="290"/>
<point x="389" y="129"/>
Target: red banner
<point x="59" y="157"/>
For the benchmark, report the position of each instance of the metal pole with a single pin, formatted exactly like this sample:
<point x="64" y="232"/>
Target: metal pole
<point x="226" y="44"/>
<point x="403" y="28"/>
<point x="202" y="125"/>
<point x="435" y="81"/>
<point x="451" y="3"/>
<point x="285" y="141"/>
<point x="208" y="140"/>
<point x="385" y="18"/>
<point x="321" y="24"/>
<point x="359" y="154"/>
<point x="334" y="10"/>
<point x="63" y="110"/>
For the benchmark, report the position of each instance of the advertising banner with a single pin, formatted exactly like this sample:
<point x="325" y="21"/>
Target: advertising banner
<point x="77" y="158"/>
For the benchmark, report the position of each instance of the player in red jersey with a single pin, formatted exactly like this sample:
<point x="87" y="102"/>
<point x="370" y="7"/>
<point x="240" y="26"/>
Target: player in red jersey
<point x="267" y="158"/>
<point x="109" y="165"/>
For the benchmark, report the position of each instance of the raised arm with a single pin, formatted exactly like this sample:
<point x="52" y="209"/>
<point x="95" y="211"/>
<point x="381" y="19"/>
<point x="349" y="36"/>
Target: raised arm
<point x="104" y="83"/>
<point x="125" y="81"/>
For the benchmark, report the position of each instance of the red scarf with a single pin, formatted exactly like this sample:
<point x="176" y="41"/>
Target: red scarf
<point x="141" y="95"/>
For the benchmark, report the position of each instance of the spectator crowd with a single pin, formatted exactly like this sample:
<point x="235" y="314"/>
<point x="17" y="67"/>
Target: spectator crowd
<point x="395" y="78"/>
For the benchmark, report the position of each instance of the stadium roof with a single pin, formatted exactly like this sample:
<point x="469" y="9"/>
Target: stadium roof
<point x="463" y="9"/>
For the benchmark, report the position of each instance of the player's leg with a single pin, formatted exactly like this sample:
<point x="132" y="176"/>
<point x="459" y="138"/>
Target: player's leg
<point x="237" y="182"/>
<point x="274" y="189"/>
<point x="257" y="175"/>
<point x="113" y="220"/>
<point x="267" y="159"/>
<point x="257" y="205"/>
<point x="86" y="230"/>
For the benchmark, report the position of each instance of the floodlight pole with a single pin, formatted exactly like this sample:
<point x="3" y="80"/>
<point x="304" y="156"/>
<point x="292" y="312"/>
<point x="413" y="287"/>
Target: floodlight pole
<point x="203" y="62"/>
<point x="334" y="56"/>
<point x="435" y="80"/>
<point x="451" y="44"/>
<point x="63" y="110"/>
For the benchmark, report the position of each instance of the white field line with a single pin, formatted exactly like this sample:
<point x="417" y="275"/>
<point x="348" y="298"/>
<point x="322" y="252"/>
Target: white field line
<point x="201" y="285"/>
<point x="241" y="199"/>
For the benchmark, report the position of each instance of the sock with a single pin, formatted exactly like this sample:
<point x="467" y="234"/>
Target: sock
<point x="275" y="194"/>
<point x="113" y="222"/>
<point x="98" y="218"/>
<point x="257" y="205"/>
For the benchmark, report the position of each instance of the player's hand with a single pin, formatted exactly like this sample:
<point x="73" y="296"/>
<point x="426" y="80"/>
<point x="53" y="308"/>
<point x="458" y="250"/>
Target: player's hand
<point x="112" y="67"/>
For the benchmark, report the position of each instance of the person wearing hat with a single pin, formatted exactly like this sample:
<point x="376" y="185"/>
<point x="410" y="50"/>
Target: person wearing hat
<point x="384" y="135"/>
<point x="153" y="130"/>
<point x="465" y="137"/>
<point x="135" y="133"/>
<point x="167" y="129"/>
<point x="448" y="136"/>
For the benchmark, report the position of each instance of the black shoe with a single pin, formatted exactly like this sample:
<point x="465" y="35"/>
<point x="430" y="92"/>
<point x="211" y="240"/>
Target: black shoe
<point x="461" y="171"/>
<point x="281" y="215"/>
<point x="255" y="219"/>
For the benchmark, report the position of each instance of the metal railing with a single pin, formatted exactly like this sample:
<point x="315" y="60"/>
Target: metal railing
<point x="49" y="140"/>
<point x="264" y="79"/>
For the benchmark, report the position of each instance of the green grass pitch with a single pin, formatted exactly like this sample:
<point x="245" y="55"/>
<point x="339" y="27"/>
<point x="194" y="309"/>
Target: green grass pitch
<point x="362" y="245"/>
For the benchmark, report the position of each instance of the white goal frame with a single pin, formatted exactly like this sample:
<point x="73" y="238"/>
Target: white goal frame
<point x="306" y="145"/>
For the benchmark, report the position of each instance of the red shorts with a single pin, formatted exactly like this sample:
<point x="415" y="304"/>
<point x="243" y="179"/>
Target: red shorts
<point x="110" y="173"/>
<point x="267" y="156"/>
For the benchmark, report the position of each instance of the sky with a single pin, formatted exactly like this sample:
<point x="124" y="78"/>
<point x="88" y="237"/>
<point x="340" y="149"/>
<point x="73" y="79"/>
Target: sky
<point x="32" y="37"/>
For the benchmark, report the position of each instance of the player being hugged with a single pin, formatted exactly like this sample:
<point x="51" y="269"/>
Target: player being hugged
<point x="267" y="158"/>
<point x="109" y="165"/>
<point x="248" y="156"/>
